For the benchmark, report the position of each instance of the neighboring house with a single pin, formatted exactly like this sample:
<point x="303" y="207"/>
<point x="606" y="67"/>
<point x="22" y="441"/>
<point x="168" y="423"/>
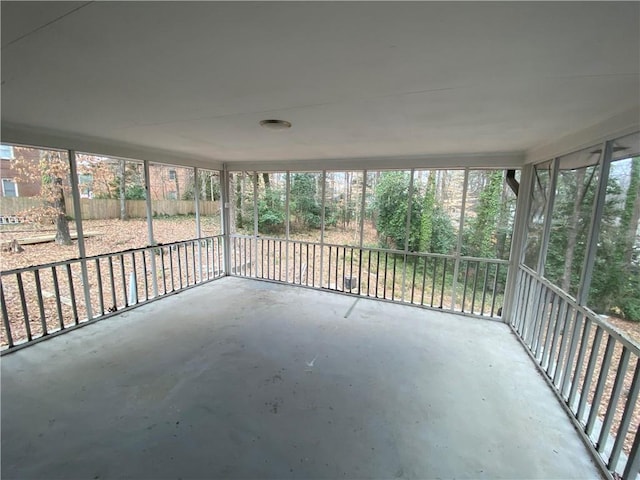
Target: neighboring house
<point x="167" y="182"/>
<point x="12" y="186"/>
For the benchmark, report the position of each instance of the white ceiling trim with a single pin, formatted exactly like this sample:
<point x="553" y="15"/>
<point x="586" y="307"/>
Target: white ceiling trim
<point x="617" y="126"/>
<point x="21" y="135"/>
<point x="512" y="160"/>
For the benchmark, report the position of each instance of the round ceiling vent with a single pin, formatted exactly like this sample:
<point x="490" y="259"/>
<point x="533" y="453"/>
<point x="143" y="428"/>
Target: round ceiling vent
<point x="273" y="124"/>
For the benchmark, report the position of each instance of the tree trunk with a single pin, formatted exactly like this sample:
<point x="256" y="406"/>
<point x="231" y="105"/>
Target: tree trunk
<point x="633" y="212"/>
<point x="267" y="182"/>
<point x="63" y="237"/>
<point x="572" y="231"/>
<point x="123" y="203"/>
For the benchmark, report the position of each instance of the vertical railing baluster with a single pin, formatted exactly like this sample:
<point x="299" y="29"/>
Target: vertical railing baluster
<point x="475" y="286"/>
<point x="23" y="303"/>
<point x="135" y="276"/>
<point x="359" y="271"/>
<point x="72" y="294"/>
<point x="560" y="318"/>
<point x="193" y="263"/>
<point x="568" y="319"/>
<point x="554" y="334"/>
<point x="209" y="246"/>
<point x="444" y="279"/>
<point x="300" y="264"/>
<point x="186" y="265"/>
<point x="602" y="381"/>
<point x="5" y="316"/>
<point x="494" y="289"/>
<point x="308" y="268"/>
<point x="100" y="287"/>
<point x="533" y="317"/>
<point x="124" y="280"/>
<point x="337" y="263"/>
<point x="575" y="382"/>
<point x="262" y="257"/>
<point x="221" y="267"/>
<point x="56" y="293"/>
<point x="413" y="281"/>
<point x="313" y="278"/>
<point x="487" y="266"/>
<point x="293" y="256"/>
<point x="464" y="289"/>
<point x="433" y="280"/>
<point x="112" y="281"/>
<point x="43" y="318"/>
<point x="542" y="323"/>
<point x="164" y="273"/>
<point x="424" y="278"/>
<point x="544" y="360"/>
<point x="588" y="377"/>
<point x="393" y="283"/>
<point x="522" y="305"/>
<point x="144" y="272"/>
<point x="377" y="271"/>
<point x="614" y="398"/>
<point x="625" y="421"/>
<point x="633" y="463"/>
<point x="519" y="300"/>
<point x="177" y="247"/>
<point x="351" y="270"/>
<point x="386" y="265"/>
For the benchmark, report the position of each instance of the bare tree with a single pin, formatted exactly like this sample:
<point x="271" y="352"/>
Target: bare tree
<point x="51" y="170"/>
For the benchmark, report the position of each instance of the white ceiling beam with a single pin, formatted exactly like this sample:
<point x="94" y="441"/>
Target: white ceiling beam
<point x="617" y="126"/>
<point x="21" y="135"/>
<point x="482" y="160"/>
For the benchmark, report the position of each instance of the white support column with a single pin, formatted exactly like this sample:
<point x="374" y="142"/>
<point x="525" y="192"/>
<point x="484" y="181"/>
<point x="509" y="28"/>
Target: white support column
<point x="548" y="212"/>
<point x="77" y="213"/>
<point x="456" y="268"/>
<point x="594" y="227"/>
<point x="287" y="225"/>
<point x="518" y="242"/>
<point x="150" y="239"/>
<point x="324" y="186"/>
<point x="255" y="222"/>
<point x="363" y="208"/>
<point x="407" y="233"/>
<point x="196" y="199"/>
<point x="226" y="218"/>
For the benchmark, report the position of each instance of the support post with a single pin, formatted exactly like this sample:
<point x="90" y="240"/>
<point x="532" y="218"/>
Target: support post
<point x="150" y="239"/>
<point x="196" y="199"/>
<point x="407" y="233"/>
<point x="324" y="183"/>
<point x="226" y="218"/>
<point x="594" y="227"/>
<point x="456" y="267"/>
<point x="255" y="223"/>
<point x="363" y="208"/>
<point x="548" y="212"/>
<point x="518" y="243"/>
<point x="77" y="213"/>
<point x="287" y="225"/>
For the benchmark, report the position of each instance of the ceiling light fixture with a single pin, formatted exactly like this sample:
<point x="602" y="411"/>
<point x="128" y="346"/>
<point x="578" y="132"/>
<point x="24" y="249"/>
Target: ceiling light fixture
<point x="273" y="124"/>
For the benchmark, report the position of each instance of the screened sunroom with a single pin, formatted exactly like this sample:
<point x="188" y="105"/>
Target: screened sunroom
<point x="320" y="240"/>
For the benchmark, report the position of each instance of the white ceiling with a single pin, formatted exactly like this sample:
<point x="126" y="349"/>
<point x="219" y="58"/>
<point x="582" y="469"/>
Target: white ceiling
<point x="356" y="80"/>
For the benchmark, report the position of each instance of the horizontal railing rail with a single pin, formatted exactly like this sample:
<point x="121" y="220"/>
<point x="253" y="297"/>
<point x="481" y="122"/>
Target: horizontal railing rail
<point x="41" y="300"/>
<point x="593" y="367"/>
<point x="469" y="285"/>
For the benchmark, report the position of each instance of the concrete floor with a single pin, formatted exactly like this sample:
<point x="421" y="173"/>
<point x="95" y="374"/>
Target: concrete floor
<point x="246" y="379"/>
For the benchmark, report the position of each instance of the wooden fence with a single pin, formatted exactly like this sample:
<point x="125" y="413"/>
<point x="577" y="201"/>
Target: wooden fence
<point x="98" y="209"/>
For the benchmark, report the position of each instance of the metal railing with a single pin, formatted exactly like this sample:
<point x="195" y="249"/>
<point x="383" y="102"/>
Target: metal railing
<point x="41" y="300"/>
<point x="468" y="285"/>
<point x="592" y="367"/>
